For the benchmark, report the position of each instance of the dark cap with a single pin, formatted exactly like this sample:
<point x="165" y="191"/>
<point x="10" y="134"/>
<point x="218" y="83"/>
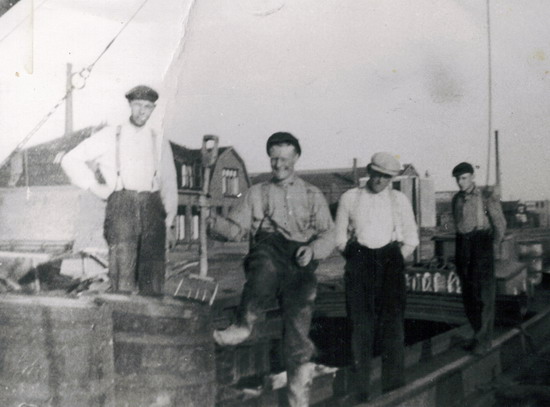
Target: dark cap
<point x="283" y="138"/>
<point x="463" y="168"/>
<point x="142" y="92"/>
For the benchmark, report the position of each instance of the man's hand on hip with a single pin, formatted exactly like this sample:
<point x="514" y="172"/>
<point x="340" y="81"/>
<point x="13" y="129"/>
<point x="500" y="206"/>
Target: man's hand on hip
<point x="304" y="255"/>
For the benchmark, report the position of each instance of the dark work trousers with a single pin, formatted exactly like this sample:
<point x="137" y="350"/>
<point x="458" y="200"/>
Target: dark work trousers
<point x="272" y="273"/>
<point x="376" y="298"/>
<point x="475" y="267"/>
<point x="136" y="233"/>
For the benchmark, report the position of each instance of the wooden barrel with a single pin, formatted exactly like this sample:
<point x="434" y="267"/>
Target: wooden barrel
<point x="55" y="352"/>
<point x="163" y="352"/>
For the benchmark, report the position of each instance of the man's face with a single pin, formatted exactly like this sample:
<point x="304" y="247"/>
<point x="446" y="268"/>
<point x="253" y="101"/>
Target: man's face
<point x="141" y="111"/>
<point x="377" y="181"/>
<point x="283" y="158"/>
<point x="465" y="181"/>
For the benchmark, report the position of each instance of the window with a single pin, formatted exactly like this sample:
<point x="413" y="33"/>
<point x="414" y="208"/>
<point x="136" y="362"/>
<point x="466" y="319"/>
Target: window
<point x="187" y="178"/>
<point x="230" y="182"/>
<point x="180" y="227"/>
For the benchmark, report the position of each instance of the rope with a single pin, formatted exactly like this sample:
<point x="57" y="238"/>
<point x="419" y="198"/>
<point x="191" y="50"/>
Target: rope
<point x="90" y="67"/>
<point x="84" y="74"/>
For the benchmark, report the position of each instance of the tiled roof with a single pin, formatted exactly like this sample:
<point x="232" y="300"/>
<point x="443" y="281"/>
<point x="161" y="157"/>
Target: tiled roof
<point x="190" y="155"/>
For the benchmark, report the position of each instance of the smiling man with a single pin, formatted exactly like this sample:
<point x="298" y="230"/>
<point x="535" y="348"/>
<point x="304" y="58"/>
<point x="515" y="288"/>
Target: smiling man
<point x="375" y="231"/>
<point x="290" y="227"/>
<point x="138" y="180"/>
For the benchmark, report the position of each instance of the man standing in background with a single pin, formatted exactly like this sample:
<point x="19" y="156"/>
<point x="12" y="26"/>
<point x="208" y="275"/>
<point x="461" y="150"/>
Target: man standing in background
<point x="383" y="234"/>
<point x="480" y="227"/>
<point x="140" y="187"/>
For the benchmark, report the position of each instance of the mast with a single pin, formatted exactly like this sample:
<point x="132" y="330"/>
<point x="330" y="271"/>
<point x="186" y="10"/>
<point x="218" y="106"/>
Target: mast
<point x="489" y="91"/>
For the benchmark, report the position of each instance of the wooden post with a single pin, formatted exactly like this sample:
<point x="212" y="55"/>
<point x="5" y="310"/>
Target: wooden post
<point x="497" y="166"/>
<point x="355" y="173"/>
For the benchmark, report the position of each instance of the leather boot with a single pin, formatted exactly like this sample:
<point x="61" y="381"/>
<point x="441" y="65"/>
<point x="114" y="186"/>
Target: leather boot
<point x="299" y="385"/>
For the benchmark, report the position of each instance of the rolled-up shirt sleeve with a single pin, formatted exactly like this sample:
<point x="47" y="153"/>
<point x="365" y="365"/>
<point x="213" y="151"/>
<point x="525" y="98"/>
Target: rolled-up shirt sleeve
<point x="237" y="223"/>
<point x="75" y="162"/>
<point x="324" y="243"/>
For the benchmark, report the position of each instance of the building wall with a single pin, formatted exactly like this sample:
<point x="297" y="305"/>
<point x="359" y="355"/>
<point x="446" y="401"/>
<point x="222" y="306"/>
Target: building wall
<point x="187" y="220"/>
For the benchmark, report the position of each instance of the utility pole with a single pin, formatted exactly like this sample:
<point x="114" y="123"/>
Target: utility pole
<point x="69" y="101"/>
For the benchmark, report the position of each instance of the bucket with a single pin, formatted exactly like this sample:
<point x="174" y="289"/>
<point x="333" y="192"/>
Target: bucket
<point x="55" y="351"/>
<point x="163" y="352"/>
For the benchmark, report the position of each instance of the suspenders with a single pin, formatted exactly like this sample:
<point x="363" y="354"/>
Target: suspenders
<point x="267" y="209"/>
<point x="397" y="232"/>
<point x="117" y="158"/>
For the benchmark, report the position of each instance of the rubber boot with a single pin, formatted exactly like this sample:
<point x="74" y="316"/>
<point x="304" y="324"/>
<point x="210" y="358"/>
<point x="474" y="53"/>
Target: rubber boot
<point x="299" y="385"/>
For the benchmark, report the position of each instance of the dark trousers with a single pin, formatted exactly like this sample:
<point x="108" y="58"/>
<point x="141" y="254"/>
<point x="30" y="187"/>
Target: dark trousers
<point x="136" y="233"/>
<point x="376" y="298"/>
<point x="272" y="273"/>
<point x="475" y="267"/>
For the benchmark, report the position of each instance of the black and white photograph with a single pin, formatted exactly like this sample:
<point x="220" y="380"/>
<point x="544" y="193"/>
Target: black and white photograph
<point x="274" y="203"/>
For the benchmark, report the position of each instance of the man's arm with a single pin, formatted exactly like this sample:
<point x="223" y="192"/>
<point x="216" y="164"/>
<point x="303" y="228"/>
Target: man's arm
<point x="342" y="223"/>
<point x="410" y="229"/>
<point x="324" y="242"/>
<point x="238" y="222"/>
<point x="498" y="221"/>
<point x="169" y="183"/>
<point x="74" y="163"/>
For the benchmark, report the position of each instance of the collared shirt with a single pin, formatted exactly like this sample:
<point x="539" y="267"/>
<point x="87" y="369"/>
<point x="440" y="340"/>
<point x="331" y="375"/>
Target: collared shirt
<point x="141" y="156"/>
<point x="293" y="207"/>
<point x="472" y="211"/>
<point x="376" y="219"/>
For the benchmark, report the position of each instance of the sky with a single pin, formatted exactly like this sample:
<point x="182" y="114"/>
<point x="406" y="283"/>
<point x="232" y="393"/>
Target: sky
<point x="347" y="78"/>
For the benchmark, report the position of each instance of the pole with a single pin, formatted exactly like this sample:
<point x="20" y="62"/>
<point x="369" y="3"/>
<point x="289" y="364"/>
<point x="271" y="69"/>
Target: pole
<point x="69" y="101"/>
<point x="355" y="173"/>
<point x="497" y="165"/>
<point x="489" y="89"/>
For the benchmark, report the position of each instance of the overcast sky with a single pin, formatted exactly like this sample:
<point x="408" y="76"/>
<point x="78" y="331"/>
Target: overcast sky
<point x="347" y="78"/>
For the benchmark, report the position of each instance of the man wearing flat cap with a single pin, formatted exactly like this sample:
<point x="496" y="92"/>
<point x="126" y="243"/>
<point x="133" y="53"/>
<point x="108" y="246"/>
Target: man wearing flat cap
<point x="290" y="227"/>
<point x="375" y="231"/>
<point x="138" y="181"/>
<point x="480" y="227"/>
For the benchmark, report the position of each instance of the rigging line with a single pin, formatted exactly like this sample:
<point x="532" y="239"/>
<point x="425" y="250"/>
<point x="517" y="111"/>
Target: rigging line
<point x="21" y="22"/>
<point x="22" y="143"/>
<point x="84" y="73"/>
<point x="90" y="67"/>
<point x="490" y="90"/>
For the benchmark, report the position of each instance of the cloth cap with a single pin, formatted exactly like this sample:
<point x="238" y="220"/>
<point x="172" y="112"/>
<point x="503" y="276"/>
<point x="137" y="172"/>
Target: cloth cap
<point x="142" y="92"/>
<point x="384" y="163"/>
<point x="463" y="168"/>
<point x="283" y="138"/>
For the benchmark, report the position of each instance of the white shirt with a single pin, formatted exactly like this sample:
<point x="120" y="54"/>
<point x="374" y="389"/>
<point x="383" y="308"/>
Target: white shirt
<point x="376" y="219"/>
<point x="141" y="154"/>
